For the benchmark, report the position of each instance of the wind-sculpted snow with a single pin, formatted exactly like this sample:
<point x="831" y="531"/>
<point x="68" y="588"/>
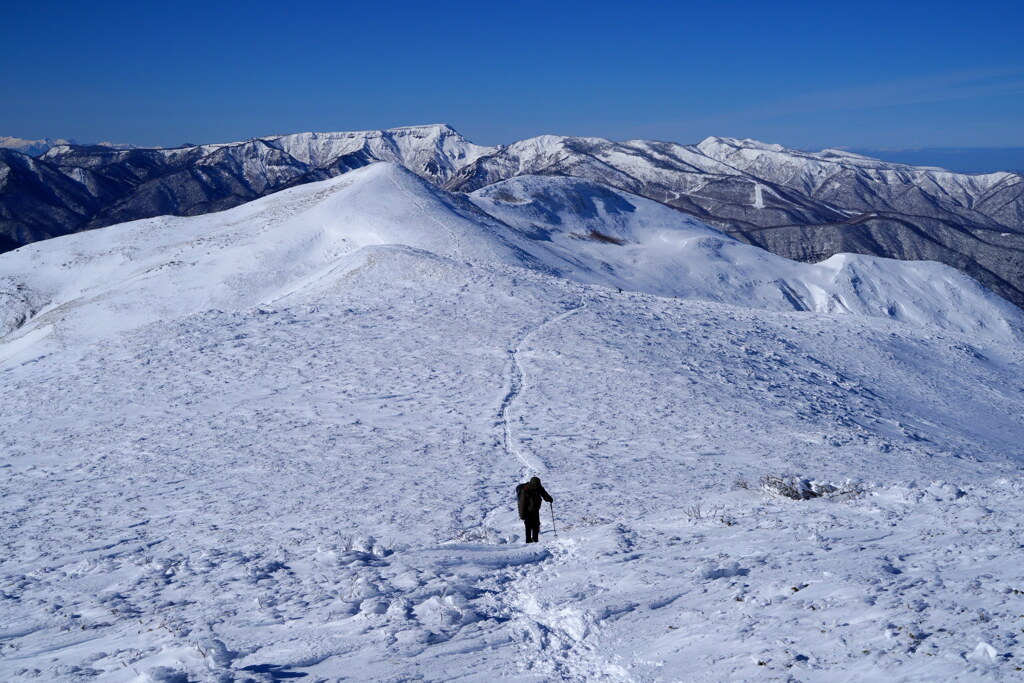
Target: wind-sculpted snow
<point x="99" y="283"/>
<point x="281" y="442"/>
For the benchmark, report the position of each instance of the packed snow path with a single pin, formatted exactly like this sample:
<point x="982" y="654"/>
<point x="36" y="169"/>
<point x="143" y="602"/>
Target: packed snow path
<point x="531" y="463"/>
<point x="559" y="641"/>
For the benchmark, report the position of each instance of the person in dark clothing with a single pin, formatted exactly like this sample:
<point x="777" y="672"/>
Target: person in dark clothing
<point x="530" y="496"/>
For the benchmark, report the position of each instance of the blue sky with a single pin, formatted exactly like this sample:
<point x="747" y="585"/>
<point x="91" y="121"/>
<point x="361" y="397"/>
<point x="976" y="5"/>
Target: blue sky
<point x="804" y="74"/>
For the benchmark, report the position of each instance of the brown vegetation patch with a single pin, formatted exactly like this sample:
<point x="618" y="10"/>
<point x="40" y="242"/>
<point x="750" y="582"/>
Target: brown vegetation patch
<point x="599" y="237"/>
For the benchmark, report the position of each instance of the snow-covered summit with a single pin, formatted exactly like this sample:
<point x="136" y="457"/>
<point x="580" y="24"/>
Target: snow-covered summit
<point x="802" y="205"/>
<point x="102" y="282"/>
<point x="433" y="151"/>
<point x="712" y="144"/>
<point x="31" y="147"/>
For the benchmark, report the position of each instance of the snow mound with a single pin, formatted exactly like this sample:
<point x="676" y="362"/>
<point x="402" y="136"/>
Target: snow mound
<point x="97" y="283"/>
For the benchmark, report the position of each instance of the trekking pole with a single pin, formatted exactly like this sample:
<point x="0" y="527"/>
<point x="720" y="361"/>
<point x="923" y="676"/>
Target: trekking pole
<point x="555" y="530"/>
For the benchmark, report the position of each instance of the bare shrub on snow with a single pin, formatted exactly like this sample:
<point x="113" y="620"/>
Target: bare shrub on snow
<point x="592" y="520"/>
<point x="698" y="512"/>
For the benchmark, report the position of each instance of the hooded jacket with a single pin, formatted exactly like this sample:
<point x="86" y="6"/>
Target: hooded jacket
<point x="530" y="496"/>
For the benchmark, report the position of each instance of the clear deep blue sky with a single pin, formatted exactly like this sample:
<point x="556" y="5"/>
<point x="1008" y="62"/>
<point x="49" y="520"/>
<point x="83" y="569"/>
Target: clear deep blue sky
<point x="804" y="74"/>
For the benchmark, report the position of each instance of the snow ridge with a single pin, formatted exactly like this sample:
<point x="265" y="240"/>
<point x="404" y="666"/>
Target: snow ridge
<point x="569" y="227"/>
<point x="813" y="204"/>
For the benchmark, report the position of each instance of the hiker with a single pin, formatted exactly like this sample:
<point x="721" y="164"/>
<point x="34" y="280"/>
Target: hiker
<point x="530" y="495"/>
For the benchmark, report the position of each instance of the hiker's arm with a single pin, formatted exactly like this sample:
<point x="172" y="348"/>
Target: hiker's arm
<point x="546" y="496"/>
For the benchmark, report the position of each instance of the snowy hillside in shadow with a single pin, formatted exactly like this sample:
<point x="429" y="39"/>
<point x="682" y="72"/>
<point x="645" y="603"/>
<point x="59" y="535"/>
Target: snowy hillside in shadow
<point x="281" y="442"/>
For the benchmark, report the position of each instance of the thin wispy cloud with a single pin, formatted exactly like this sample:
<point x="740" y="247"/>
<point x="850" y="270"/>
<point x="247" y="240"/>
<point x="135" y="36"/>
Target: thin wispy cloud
<point x="947" y="87"/>
<point x="958" y="85"/>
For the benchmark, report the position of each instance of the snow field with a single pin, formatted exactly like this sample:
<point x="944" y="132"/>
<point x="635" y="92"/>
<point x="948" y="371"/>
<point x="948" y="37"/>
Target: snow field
<point x="323" y="488"/>
<point x="282" y="442"/>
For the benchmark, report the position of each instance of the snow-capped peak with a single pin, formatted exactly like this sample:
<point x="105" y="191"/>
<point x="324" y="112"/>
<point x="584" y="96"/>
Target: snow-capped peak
<point x="36" y="148"/>
<point x="32" y="147"/>
<point x="711" y="143"/>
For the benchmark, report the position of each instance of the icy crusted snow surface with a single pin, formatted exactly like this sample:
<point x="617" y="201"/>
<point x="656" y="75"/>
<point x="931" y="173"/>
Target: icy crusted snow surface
<point x="282" y="441"/>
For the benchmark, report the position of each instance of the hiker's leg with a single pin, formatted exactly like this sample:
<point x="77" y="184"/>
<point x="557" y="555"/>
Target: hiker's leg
<point x="533" y="528"/>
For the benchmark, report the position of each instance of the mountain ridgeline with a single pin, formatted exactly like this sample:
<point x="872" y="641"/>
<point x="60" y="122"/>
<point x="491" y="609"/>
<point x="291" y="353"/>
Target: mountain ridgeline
<point x="800" y="205"/>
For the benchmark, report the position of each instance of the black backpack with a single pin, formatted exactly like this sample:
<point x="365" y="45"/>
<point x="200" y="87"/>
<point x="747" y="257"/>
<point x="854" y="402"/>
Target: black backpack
<point x="523" y="499"/>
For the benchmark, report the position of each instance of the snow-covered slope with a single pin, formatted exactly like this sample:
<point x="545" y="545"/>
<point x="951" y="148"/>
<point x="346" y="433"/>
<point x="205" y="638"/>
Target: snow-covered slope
<point x="819" y="175"/>
<point x="99" y="283"/>
<point x="802" y="205"/>
<point x="282" y="441"/>
<point x="102" y="282"/>
<point x="616" y="239"/>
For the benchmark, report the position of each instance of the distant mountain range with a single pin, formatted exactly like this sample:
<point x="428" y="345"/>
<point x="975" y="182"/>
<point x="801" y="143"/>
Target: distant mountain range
<point x="32" y="147"/>
<point x="801" y="205"/>
<point x="37" y="147"/>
